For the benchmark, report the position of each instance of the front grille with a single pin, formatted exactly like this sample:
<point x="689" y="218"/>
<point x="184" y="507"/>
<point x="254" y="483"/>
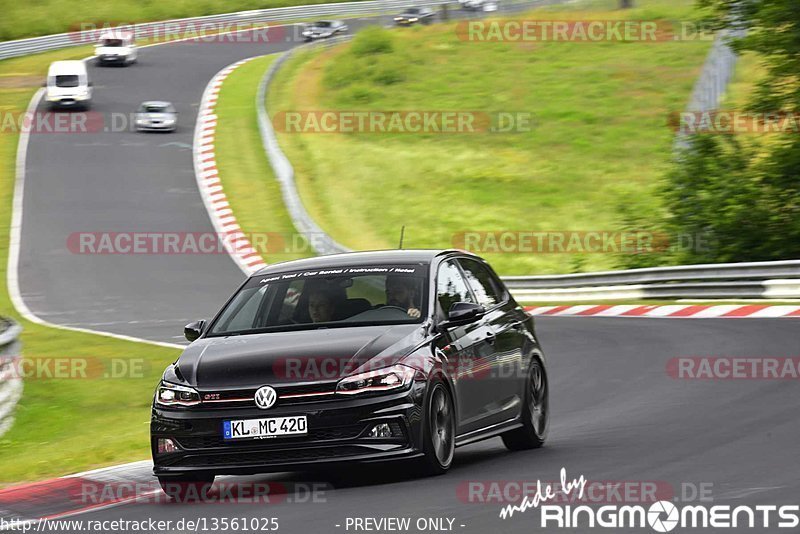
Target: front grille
<point x="269" y="457"/>
<point x="320" y="434"/>
<point x="245" y="398"/>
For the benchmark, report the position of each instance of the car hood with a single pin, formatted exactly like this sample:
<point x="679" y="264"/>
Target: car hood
<point x="156" y="116"/>
<point x="299" y="357"/>
<point x="319" y="29"/>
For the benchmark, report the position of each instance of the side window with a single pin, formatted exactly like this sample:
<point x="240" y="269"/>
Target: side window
<point x="483" y="284"/>
<point x="450" y="288"/>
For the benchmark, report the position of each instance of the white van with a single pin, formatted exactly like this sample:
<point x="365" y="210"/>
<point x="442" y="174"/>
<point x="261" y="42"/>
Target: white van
<point x="68" y="85"/>
<point x="116" y="47"/>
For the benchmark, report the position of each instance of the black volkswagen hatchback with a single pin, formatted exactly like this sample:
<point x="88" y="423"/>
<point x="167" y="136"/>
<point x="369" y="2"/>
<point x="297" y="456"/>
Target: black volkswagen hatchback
<point x="359" y="357"/>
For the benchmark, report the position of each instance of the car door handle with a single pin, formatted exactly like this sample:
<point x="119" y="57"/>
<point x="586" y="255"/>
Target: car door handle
<point x="491" y="338"/>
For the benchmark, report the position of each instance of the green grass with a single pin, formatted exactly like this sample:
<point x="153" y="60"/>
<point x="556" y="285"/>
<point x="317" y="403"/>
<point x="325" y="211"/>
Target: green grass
<point x="26" y="19"/>
<point x="251" y="187"/>
<point x="600" y="138"/>
<point x="65" y="426"/>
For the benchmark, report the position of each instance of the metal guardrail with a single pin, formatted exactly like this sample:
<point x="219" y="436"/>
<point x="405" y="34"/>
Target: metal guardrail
<point x="10" y="383"/>
<point x="211" y="23"/>
<point x="759" y="280"/>
<point x="322" y="243"/>
<point x="717" y="73"/>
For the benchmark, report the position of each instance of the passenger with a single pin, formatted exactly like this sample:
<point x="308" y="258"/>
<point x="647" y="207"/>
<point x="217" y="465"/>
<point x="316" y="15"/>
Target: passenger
<point x="322" y="304"/>
<point x="401" y="292"/>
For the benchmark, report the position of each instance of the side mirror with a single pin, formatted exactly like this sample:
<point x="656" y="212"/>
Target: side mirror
<point x="193" y="330"/>
<point x="90" y="84"/>
<point x="462" y="313"/>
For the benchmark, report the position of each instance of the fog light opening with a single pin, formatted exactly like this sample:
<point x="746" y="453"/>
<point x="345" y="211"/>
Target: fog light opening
<point x="166" y="445"/>
<point x="382" y="430"/>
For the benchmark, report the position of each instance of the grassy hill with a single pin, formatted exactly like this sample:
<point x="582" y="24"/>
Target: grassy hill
<point x="599" y="141"/>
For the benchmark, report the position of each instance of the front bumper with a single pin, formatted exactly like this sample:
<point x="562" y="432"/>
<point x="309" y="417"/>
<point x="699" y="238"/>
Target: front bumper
<point x="68" y="102"/>
<point x="156" y="127"/>
<point x="337" y="432"/>
<point x="112" y="59"/>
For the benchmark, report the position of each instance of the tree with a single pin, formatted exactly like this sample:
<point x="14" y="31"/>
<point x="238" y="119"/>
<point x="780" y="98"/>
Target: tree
<point x="745" y="195"/>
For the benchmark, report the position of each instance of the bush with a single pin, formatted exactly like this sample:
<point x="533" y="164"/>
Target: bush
<point x="371" y="41"/>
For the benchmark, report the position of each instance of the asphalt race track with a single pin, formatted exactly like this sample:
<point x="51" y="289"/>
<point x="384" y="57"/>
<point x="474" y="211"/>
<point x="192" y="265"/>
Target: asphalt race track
<point x="117" y="182"/>
<point x="616" y="416"/>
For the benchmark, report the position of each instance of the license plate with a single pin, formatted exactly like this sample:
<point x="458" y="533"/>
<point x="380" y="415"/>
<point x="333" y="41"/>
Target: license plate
<point x="272" y="427"/>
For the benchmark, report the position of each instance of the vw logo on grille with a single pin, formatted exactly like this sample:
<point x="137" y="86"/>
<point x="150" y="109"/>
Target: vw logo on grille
<point x="266" y="397"/>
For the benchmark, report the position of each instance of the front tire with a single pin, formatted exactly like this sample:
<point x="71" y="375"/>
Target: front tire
<point x="187" y="488"/>
<point x="439" y="431"/>
<point x="535" y="413"/>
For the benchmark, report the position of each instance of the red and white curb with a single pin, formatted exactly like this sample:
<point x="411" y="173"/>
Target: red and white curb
<point x="205" y="168"/>
<point x="682" y="311"/>
<point x="76" y="494"/>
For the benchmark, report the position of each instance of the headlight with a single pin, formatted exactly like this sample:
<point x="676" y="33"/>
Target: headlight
<point x="398" y="18"/>
<point x="391" y="378"/>
<point x="169" y="121"/>
<point x="413" y="19"/>
<point x="173" y="395"/>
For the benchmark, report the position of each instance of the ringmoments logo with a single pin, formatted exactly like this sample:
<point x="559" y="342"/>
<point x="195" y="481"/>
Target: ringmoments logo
<point x="661" y="516"/>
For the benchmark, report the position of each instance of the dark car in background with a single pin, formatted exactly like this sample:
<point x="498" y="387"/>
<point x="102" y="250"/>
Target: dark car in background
<point x="414" y="15"/>
<point x="356" y="357"/>
<point x="323" y="29"/>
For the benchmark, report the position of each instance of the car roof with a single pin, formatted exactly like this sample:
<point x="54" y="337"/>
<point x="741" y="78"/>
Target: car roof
<point x="58" y="68"/>
<point x="159" y="103"/>
<point x="116" y="34"/>
<point x="373" y="257"/>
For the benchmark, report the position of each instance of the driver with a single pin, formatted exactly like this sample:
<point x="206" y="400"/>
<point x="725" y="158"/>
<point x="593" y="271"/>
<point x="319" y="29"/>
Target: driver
<point x="401" y="292"/>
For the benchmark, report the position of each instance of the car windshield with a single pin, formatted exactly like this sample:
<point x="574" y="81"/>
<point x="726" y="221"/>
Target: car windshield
<point x="67" y="80"/>
<point x="156" y="108"/>
<point x="112" y="42"/>
<point x="323" y="24"/>
<point x="412" y="11"/>
<point x="326" y="298"/>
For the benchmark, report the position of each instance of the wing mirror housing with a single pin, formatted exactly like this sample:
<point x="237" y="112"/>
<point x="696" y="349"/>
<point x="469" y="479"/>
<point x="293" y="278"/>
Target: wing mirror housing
<point x="462" y="313"/>
<point x="193" y="330"/>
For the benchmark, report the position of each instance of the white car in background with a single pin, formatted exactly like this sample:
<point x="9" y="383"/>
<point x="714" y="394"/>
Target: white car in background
<point x="68" y="85"/>
<point x="156" y="116"/>
<point x="116" y="47"/>
<point x="323" y="29"/>
<point x="478" y="5"/>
